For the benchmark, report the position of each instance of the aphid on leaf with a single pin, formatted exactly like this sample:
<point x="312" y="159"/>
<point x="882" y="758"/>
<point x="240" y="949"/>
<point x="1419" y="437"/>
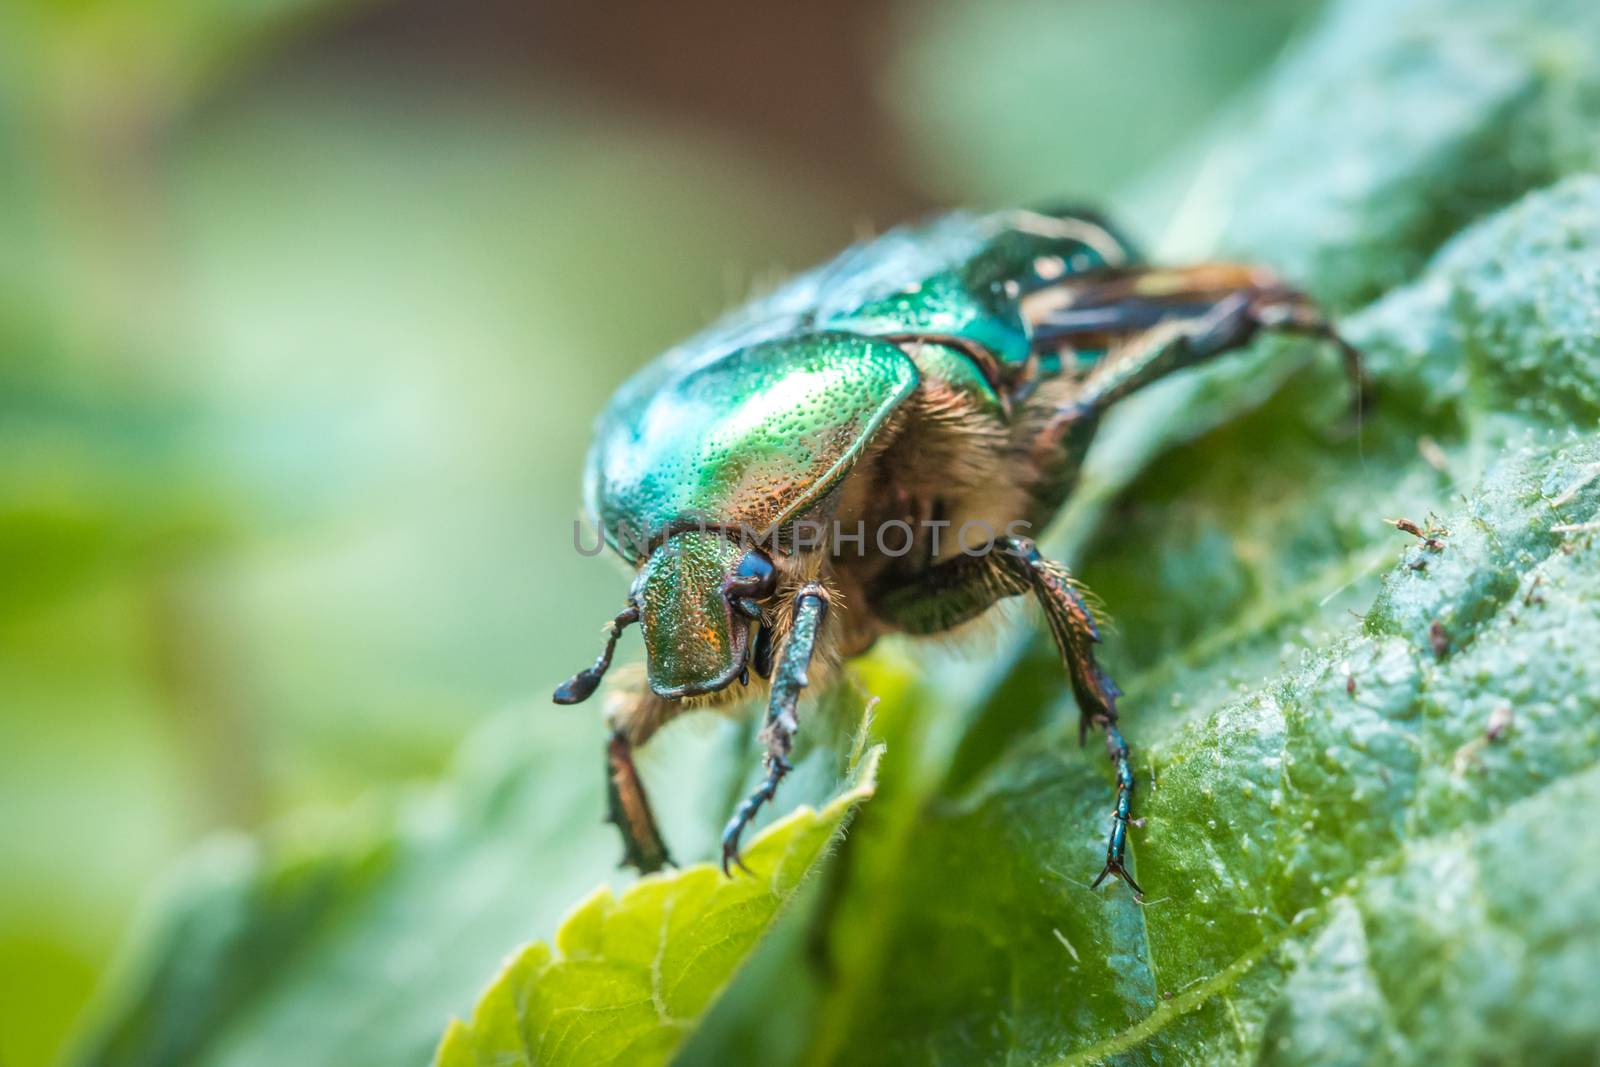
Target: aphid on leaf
<point x="939" y="380"/>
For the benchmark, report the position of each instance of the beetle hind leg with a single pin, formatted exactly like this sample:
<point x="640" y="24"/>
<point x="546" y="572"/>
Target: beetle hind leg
<point x="1151" y="321"/>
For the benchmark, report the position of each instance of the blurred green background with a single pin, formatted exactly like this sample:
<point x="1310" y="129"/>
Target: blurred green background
<point x="305" y="309"/>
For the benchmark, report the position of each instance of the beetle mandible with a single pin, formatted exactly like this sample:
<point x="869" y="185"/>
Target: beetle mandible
<point x="940" y="379"/>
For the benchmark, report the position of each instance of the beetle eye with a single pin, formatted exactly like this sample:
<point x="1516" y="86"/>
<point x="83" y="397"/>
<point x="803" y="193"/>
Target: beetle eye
<point x="756" y="577"/>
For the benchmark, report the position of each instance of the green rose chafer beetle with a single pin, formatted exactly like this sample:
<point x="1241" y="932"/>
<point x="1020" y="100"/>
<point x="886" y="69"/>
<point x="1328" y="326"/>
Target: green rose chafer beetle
<point x="941" y="379"/>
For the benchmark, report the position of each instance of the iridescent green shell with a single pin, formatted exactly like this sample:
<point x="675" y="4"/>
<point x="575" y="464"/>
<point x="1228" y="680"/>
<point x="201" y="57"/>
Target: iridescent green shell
<point x="761" y="416"/>
<point x="748" y="440"/>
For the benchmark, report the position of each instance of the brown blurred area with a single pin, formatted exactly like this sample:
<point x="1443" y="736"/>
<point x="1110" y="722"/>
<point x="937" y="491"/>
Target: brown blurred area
<point x="801" y="83"/>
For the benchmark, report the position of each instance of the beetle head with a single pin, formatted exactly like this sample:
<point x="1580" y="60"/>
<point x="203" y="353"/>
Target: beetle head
<point x="697" y="597"/>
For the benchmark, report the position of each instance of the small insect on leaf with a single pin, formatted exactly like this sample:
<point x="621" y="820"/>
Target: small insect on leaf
<point x="1430" y="535"/>
<point x="1405" y="525"/>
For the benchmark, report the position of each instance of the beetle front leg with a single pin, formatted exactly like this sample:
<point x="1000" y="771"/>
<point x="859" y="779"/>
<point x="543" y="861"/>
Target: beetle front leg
<point x="789" y="677"/>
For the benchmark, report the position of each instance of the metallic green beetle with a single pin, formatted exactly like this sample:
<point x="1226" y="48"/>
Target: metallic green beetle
<point x="863" y="451"/>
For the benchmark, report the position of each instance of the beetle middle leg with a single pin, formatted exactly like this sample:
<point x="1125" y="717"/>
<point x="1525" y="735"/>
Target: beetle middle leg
<point x="962" y="588"/>
<point x="1073" y="627"/>
<point x="789" y="677"/>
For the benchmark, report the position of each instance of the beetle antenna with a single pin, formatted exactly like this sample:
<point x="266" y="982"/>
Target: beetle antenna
<point x="581" y="686"/>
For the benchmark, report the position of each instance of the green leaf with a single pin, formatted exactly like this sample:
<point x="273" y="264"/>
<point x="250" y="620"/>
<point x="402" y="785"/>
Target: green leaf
<point x="629" y="976"/>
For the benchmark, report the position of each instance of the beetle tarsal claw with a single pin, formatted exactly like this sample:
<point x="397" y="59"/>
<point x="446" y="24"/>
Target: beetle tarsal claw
<point x="776" y="769"/>
<point x="730" y="855"/>
<point x="1116" y="867"/>
<point x="1121" y="813"/>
